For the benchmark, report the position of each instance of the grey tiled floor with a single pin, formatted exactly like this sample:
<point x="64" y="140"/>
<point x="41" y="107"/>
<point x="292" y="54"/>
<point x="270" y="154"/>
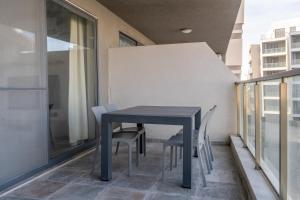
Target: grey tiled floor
<point x="73" y="181"/>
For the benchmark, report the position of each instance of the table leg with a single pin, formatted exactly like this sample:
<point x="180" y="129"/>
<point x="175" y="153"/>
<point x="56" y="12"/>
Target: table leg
<point x="142" y="139"/>
<point x="197" y="126"/>
<point x="187" y="153"/>
<point x="106" y="149"/>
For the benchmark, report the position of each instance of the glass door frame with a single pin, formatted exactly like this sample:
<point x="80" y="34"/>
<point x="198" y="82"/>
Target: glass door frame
<point x="87" y="15"/>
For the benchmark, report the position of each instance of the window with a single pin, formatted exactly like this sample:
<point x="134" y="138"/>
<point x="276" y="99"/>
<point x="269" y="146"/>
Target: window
<point x="271" y="105"/>
<point x="280" y="32"/>
<point x="293" y="29"/>
<point x="270" y="90"/>
<point x="126" y="41"/>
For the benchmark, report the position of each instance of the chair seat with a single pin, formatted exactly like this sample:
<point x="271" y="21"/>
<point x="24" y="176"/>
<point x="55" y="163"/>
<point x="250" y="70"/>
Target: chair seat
<point x="125" y="136"/>
<point x="178" y="139"/>
<point x="133" y="129"/>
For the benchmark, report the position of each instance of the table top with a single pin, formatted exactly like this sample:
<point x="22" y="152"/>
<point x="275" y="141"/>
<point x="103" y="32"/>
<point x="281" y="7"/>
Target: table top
<point x="161" y="111"/>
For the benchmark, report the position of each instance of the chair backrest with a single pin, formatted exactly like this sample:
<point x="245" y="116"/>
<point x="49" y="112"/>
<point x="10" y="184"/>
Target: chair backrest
<point x="211" y="113"/>
<point x="111" y="108"/>
<point x="98" y="111"/>
<point x="202" y="128"/>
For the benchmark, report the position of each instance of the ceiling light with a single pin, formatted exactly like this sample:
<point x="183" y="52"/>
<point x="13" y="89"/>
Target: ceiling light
<point x="186" y="30"/>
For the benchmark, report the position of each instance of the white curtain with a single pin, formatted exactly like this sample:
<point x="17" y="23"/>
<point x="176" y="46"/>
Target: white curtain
<point x="78" y="122"/>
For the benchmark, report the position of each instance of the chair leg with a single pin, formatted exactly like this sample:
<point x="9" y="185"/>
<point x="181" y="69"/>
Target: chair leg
<point x="175" y="156"/>
<point x="206" y="159"/>
<point x="163" y="162"/>
<point x="210" y="149"/>
<point x="96" y="154"/>
<point x="117" y="148"/>
<point x="208" y="155"/>
<point x="171" y="157"/>
<point x="137" y="151"/>
<point x="180" y="153"/>
<point x="144" y="143"/>
<point x="201" y="166"/>
<point x="129" y="159"/>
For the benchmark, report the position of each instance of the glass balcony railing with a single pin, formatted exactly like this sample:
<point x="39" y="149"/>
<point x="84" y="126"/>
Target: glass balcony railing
<point x="274" y="65"/>
<point x="269" y="125"/>
<point x="274" y="50"/>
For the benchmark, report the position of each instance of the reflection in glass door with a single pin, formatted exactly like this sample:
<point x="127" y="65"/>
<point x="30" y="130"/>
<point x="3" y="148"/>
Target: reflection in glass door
<point x="72" y="77"/>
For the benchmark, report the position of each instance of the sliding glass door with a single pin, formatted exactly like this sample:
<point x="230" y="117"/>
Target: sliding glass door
<point x="23" y="89"/>
<point x="72" y="77"/>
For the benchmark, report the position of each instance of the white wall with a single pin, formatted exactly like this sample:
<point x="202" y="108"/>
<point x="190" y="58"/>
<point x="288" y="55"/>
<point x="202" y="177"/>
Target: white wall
<point x="179" y="74"/>
<point x="109" y="26"/>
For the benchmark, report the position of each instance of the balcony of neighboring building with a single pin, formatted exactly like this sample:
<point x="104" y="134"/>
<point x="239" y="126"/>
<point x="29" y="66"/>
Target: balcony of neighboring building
<point x="274" y="63"/>
<point x="274" y="48"/>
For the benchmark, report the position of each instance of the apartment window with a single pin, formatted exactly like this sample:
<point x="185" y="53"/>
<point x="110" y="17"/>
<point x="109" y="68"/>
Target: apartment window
<point x="293" y="29"/>
<point x="296" y="107"/>
<point x="296" y="90"/>
<point x="271" y="90"/>
<point x="280" y="32"/>
<point x="126" y="41"/>
<point x="271" y="105"/>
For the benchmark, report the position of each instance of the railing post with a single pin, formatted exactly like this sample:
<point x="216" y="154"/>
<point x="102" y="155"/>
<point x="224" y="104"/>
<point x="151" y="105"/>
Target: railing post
<point x="238" y="103"/>
<point x="245" y="121"/>
<point x="257" y="125"/>
<point x="283" y="140"/>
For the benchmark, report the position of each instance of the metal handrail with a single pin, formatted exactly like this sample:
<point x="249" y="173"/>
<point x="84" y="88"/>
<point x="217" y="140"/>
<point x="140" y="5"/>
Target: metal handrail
<point x="286" y="74"/>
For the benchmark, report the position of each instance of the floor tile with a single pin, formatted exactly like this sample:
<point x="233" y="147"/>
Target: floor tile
<point x="117" y="193"/>
<point x="137" y="182"/>
<point x="77" y="192"/>
<point x="38" y="189"/>
<point x="165" y="196"/>
<point x="65" y="175"/>
<point x="220" y="191"/>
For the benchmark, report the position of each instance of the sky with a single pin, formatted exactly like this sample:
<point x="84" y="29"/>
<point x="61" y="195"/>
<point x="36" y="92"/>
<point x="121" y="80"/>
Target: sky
<point x="259" y="15"/>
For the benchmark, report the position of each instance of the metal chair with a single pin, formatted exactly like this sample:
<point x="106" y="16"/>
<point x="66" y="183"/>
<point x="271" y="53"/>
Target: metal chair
<point x="119" y="136"/>
<point x="118" y="127"/>
<point x="198" y="142"/>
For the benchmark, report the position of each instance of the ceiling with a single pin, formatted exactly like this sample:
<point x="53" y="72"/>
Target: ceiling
<point x="212" y="21"/>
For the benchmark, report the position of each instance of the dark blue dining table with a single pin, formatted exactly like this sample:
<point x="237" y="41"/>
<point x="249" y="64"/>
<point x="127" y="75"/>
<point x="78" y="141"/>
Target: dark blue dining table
<point x="188" y="117"/>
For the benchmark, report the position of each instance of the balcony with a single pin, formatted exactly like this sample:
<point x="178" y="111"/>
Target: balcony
<point x="62" y="59"/>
